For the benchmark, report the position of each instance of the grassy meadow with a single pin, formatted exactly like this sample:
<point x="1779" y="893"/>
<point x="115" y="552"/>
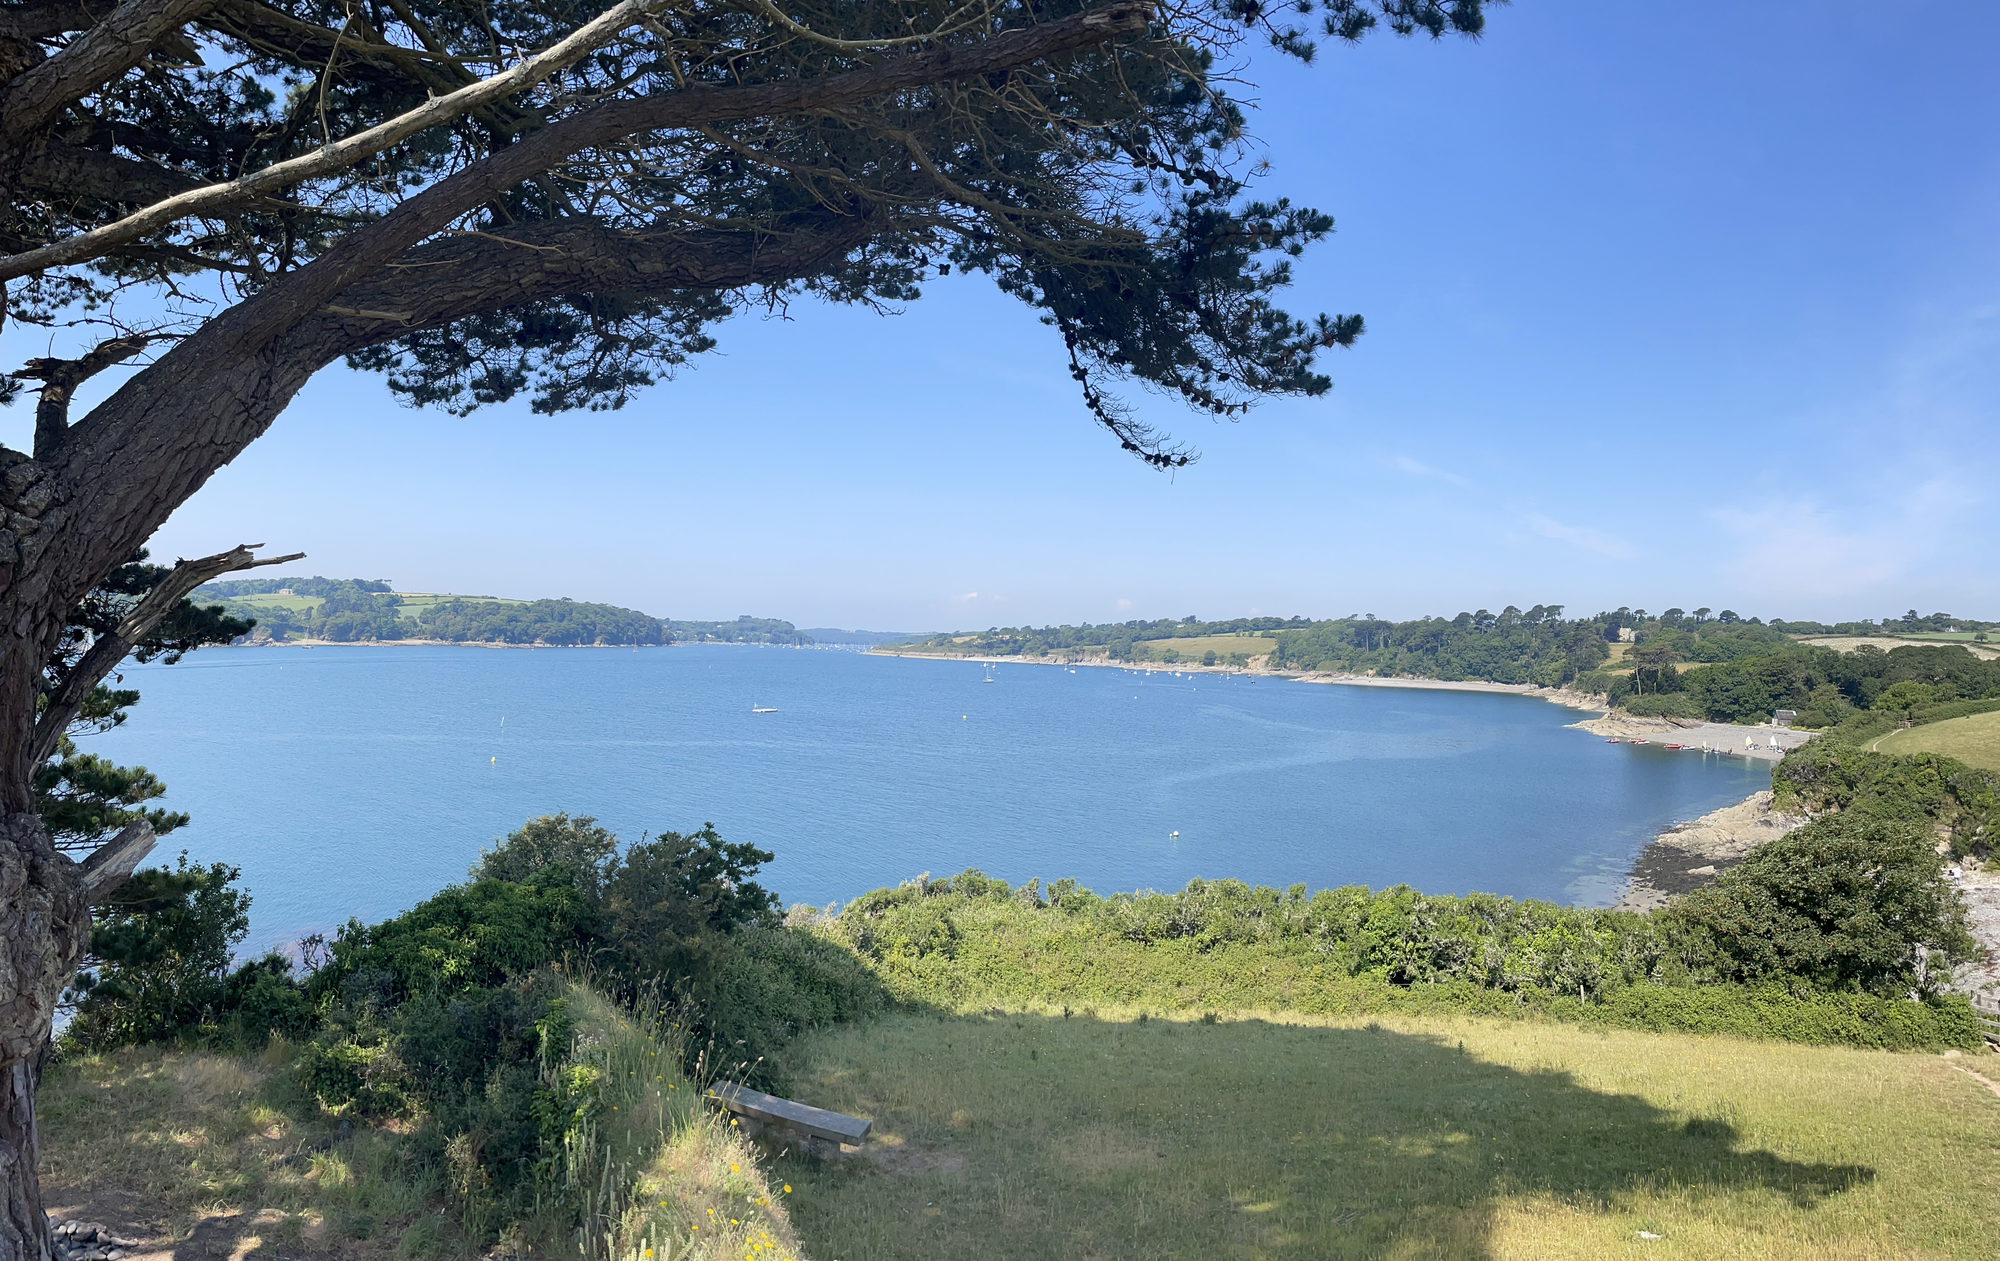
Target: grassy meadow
<point x="227" y="1153"/>
<point x="272" y="600"/>
<point x="1220" y="645"/>
<point x="1974" y="740"/>
<point x="418" y="603"/>
<point x="1039" y="1136"/>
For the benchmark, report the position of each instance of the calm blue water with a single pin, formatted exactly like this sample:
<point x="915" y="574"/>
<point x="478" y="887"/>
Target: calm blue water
<point x="356" y="781"/>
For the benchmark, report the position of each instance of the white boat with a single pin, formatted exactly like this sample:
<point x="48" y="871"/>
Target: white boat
<point x="755" y="709"/>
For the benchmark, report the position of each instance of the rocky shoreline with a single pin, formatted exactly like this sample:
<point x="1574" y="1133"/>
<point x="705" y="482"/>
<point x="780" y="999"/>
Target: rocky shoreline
<point x="1689" y="855"/>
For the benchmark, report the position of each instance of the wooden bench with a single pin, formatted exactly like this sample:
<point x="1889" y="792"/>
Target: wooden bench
<point x="763" y="1110"/>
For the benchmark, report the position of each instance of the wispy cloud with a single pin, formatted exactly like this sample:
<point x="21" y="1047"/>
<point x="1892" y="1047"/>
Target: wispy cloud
<point x="1801" y="548"/>
<point x="1124" y="605"/>
<point x="1421" y="469"/>
<point x="972" y="598"/>
<point x="1580" y="536"/>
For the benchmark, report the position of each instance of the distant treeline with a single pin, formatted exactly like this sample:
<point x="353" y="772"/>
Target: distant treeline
<point x="353" y="610"/>
<point x="1821" y="686"/>
<point x="360" y="611"/>
<point x="744" y="630"/>
<point x="1700" y="664"/>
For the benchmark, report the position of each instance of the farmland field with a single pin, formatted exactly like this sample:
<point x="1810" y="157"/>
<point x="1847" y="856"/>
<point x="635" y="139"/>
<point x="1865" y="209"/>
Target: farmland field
<point x="1974" y="740"/>
<point x="1220" y="645"/>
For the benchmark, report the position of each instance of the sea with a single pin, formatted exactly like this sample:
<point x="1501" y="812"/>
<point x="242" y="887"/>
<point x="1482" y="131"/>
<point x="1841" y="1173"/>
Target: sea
<point x="352" y="782"/>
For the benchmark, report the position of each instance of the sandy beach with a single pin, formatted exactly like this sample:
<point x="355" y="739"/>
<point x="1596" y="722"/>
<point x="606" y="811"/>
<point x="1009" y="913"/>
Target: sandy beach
<point x="1763" y="742"/>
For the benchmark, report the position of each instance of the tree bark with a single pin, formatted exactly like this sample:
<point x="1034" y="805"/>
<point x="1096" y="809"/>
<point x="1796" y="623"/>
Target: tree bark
<point x="47" y="916"/>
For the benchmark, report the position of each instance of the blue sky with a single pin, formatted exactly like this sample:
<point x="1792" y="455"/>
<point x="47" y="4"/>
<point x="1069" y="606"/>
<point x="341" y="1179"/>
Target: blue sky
<point x="1691" y="304"/>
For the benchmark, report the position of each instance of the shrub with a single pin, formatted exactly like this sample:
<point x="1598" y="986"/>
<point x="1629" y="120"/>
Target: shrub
<point x="466" y="937"/>
<point x="158" y="956"/>
<point x="1855" y="903"/>
<point x="555" y="846"/>
<point x="1662" y="705"/>
<point x="1830" y="775"/>
<point x="768" y="985"/>
<point x="263" y="999"/>
<point x="970" y="941"/>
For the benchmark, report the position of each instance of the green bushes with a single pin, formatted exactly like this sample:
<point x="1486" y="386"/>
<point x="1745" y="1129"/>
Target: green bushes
<point x="158" y="966"/>
<point x="1662" y="705"/>
<point x="1849" y="904"/>
<point x="1822" y="938"/>
<point x="1833" y="776"/>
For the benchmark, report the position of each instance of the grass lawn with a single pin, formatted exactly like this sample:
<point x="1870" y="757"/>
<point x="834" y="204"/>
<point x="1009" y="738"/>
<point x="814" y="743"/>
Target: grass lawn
<point x="1974" y="740"/>
<point x="1024" y="1136"/>
<point x="1220" y="645"/>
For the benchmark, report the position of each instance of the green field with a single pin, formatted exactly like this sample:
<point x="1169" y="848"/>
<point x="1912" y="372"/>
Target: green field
<point x="1220" y="645"/>
<point x="1974" y="740"/>
<point x="417" y="603"/>
<point x="1036" y="1136"/>
<point x="296" y="603"/>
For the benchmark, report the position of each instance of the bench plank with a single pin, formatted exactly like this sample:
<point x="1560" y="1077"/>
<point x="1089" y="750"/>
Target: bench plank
<point x="835" y="1126"/>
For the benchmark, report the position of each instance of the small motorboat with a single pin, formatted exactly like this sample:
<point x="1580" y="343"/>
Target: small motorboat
<point x="1611" y="739"/>
<point x="1677" y="746"/>
<point x="1635" y="740"/>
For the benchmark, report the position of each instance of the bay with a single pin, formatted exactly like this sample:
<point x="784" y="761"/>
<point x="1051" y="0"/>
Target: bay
<point x="355" y="781"/>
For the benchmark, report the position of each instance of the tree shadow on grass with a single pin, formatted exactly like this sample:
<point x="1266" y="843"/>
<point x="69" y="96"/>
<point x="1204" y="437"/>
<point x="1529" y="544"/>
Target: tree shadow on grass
<point x="1080" y="1138"/>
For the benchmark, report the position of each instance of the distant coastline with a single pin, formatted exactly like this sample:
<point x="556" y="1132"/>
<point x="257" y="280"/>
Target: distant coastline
<point x="1567" y="697"/>
<point x="1681" y="857"/>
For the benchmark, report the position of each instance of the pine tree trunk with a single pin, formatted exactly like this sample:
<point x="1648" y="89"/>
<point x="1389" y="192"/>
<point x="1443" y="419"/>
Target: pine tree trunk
<point x="46" y="923"/>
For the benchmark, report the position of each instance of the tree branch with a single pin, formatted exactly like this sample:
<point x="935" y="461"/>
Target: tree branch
<point x="450" y="279"/>
<point x="161" y="435"/>
<point x="60" y="377"/>
<point x="336" y="156"/>
<point x="381" y="242"/>
<point x="108" y="49"/>
<point x="112" y="863"/>
<point x="93" y="173"/>
<point x="63" y="704"/>
<point x="47" y="17"/>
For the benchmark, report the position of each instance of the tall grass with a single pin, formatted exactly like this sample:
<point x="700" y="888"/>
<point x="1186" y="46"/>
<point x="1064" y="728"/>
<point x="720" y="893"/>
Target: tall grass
<point x="648" y="1170"/>
<point x="644" y="1169"/>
